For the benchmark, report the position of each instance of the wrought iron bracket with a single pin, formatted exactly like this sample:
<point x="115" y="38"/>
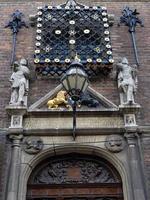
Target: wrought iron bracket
<point x="130" y="19"/>
<point x="74" y="105"/>
<point x="15" y="25"/>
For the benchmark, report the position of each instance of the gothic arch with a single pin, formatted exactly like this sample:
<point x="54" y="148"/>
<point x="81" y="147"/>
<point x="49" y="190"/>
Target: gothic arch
<point x="81" y="149"/>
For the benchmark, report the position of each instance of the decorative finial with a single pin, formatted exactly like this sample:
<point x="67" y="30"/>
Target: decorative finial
<point x="71" y="3"/>
<point x="77" y="59"/>
<point x="15" y="24"/>
<point x="130" y="19"/>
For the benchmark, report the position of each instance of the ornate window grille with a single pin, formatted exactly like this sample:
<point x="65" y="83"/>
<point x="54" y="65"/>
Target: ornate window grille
<point x="68" y="30"/>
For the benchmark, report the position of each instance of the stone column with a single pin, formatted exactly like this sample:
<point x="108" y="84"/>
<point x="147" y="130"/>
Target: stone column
<point x="13" y="179"/>
<point x="134" y="165"/>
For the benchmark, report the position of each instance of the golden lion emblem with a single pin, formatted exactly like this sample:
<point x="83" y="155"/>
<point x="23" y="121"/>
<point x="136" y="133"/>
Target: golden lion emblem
<point x="60" y="99"/>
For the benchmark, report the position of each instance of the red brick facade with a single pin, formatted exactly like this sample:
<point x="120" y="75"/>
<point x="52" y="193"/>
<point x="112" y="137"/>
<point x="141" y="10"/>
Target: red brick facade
<point x="121" y="44"/>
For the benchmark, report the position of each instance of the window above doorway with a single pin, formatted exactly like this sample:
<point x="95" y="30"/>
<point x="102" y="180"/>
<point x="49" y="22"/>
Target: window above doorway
<point x="72" y="29"/>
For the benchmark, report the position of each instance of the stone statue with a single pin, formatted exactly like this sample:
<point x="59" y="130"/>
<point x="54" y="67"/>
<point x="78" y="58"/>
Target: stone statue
<point x="127" y="81"/>
<point x="19" y="82"/>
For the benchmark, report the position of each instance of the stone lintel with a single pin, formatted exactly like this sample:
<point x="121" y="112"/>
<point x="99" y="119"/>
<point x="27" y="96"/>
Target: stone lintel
<point x="63" y="122"/>
<point x="67" y="132"/>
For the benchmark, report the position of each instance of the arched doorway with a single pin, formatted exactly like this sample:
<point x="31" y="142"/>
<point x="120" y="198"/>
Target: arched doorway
<point x="74" y="177"/>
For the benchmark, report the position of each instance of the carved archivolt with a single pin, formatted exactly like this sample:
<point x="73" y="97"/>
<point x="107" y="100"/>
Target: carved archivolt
<point x="74" y="169"/>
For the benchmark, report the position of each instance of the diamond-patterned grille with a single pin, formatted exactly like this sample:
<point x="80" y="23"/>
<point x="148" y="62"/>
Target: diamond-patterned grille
<point x="64" y="31"/>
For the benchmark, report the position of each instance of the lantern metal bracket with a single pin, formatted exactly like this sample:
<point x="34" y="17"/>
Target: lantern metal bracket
<point x="75" y="83"/>
<point x="130" y="19"/>
<point x="15" y="25"/>
<point x="74" y="106"/>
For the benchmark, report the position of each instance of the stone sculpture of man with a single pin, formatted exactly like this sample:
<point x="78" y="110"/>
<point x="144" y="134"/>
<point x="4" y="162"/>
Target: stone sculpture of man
<point x="19" y="82"/>
<point x="127" y="81"/>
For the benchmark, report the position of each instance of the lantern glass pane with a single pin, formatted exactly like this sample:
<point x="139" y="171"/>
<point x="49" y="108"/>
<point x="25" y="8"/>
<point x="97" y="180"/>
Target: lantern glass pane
<point x="85" y="86"/>
<point x="72" y="79"/>
<point x="80" y="82"/>
<point x="65" y="84"/>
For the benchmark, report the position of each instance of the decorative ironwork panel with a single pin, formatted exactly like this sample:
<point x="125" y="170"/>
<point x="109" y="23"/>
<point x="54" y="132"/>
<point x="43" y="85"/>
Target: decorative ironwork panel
<point x="70" y="29"/>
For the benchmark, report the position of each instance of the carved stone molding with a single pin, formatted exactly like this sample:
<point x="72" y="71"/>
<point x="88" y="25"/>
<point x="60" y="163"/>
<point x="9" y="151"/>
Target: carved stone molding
<point x="128" y="109"/>
<point x="32" y="145"/>
<point x="74" y="170"/>
<point x="129" y="120"/>
<point x="16" y="121"/>
<point x="16" y="139"/>
<point x="131" y="138"/>
<point x="114" y="143"/>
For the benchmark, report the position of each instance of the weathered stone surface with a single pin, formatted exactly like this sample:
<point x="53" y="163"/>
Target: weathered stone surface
<point x="121" y="43"/>
<point x="66" y="122"/>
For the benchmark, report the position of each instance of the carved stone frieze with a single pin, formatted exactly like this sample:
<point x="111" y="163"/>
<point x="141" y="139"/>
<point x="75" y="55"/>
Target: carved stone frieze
<point x="129" y="120"/>
<point x="114" y="143"/>
<point x="32" y="145"/>
<point x="74" y="171"/>
<point x="66" y="122"/>
<point x="16" y="121"/>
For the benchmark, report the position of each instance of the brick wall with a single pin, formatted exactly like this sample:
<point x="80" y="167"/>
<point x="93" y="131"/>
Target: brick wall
<point x="146" y="151"/>
<point x="121" y="43"/>
<point x="4" y="163"/>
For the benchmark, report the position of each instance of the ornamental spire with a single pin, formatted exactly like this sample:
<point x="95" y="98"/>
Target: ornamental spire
<point x="77" y="59"/>
<point x="71" y="3"/>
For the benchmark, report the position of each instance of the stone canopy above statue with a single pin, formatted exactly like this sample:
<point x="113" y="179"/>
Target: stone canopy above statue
<point x="70" y="29"/>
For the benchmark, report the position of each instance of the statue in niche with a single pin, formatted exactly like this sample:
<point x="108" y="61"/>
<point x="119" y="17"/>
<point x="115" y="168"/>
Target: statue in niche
<point x="127" y="82"/>
<point x="19" y="82"/>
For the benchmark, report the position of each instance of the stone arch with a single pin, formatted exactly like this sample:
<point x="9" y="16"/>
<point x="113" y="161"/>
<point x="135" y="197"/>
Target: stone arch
<point x="81" y="149"/>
